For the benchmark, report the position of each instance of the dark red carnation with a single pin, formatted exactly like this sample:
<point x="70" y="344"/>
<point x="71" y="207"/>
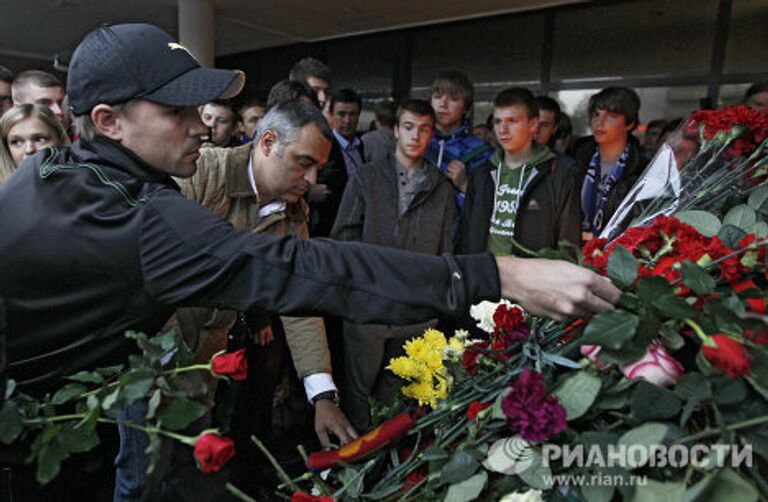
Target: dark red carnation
<point x="469" y="359"/>
<point x="213" y="451"/>
<point x="231" y="364"/>
<point x="758" y="337"/>
<point x="728" y="355"/>
<point x="530" y="411"/>
<point x="506" y="319"/>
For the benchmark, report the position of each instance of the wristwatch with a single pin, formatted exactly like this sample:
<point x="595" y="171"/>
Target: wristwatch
<point x="332" y="395"/>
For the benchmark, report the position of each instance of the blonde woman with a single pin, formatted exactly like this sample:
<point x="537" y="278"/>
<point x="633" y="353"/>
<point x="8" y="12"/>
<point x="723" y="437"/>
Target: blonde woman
<point x="24" y="130"/>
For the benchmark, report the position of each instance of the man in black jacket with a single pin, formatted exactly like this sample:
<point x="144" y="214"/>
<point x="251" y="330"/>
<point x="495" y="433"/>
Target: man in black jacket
<point x="525" y="198"/>
<point x="102" y="241"/>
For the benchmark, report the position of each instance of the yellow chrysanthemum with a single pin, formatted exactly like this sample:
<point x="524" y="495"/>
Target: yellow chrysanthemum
<point x="415" y="348"/>
<point x="435" y="339"/>
<point x="403" y="367"/>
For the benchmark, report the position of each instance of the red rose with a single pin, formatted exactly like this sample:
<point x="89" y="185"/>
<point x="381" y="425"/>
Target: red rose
<point x="728" y="355"/>
<point x="306" y="497"/>
<point x="231" y="364"/>
<point x="213" y="451"/>
<point x="475" y="407"/>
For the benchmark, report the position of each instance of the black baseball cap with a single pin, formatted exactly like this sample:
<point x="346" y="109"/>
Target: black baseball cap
<point x="117" y="63"/>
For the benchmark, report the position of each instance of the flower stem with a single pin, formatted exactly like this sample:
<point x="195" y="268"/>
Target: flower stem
<point x="278" y="468"/>
<point x="732" y="427"/>
<point x="699" y="332"/>
<point x="184" y="369"/>
<point x="149" y="430"/>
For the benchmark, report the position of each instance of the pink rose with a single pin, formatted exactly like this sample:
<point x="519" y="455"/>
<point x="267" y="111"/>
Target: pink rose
<point x="656" y="366"/>
<point x="590" y="352"/>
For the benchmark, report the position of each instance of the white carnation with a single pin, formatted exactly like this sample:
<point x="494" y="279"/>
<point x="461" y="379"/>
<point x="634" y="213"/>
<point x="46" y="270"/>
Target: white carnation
<point x="483" y="314"/>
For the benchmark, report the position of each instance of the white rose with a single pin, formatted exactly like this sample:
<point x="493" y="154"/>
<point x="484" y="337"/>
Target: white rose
<point x="529" y="496"/>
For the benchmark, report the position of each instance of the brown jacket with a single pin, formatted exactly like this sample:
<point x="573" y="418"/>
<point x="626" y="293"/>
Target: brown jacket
<point x="221" y="184"/>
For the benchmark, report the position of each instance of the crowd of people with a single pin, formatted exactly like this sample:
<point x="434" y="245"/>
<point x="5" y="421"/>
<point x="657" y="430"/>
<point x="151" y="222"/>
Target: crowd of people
<point x="135" y="249"/>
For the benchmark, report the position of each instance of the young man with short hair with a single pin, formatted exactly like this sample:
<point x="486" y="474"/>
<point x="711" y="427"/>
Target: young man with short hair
<point x="251" y="111"/>
<point x="525" y="197"/>
<point x="221" y="118"/>
<point x="315" y="74"/>
<point x="610" y="160"/>
<point x="402" y="202"/>
<point x="40" y="88"/>
<point x="549" y="116"/>
<point x="453" y="147"/>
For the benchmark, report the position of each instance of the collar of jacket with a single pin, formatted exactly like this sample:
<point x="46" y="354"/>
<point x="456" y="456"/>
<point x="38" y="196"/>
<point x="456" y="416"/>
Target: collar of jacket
<point x="462" y="130"/>
<point x="237" y="185"/>
<point x="102" y="150"/>
<point x="538" y="155"/>
<point x="434" y="176"/>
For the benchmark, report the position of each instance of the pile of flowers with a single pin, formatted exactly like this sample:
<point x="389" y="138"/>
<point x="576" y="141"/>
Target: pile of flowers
<point x="681" y="363"/>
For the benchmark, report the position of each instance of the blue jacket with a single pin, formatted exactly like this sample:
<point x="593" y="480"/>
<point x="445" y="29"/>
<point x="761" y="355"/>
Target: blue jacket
<point x="460" y="144"/>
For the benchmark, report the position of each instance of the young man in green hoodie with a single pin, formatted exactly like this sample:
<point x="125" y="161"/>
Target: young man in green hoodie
<point x="525" y="197"/>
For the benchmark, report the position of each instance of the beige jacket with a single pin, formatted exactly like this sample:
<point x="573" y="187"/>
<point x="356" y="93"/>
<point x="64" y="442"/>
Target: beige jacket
<point x="221" y="184"/>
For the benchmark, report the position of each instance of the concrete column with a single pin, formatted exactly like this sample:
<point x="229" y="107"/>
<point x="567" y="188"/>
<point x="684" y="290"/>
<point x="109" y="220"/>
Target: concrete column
<point x="196" y="29"/>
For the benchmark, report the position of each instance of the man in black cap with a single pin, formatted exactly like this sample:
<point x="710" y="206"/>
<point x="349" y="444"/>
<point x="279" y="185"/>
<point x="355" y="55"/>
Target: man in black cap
<point x="101" y="241"/>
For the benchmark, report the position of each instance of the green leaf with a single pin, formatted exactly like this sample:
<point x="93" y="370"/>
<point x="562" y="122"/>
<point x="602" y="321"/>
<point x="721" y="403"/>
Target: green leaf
<point x="697" y="279"/>
<point x="76" y="440"/>
<point x="352" y="480"/>
<point x="153" y="404"/>
<point x="651" y="288"/>
<point x="87" y="377"/>
<point x="646" y="435"/>
<point x="760" y="229"/>
<point x="468" y="489"/>
<point x="166" y="341"/>
<point x="650" y="402"/>
<point x="622" y="267"/>
<point x="693" y="386"/>
<point x="629" y="353"/>
<point x="577" y="393"/>
<point x="109" y="371"/>
<point x="11" y="423"/>
<point x="49" y="461"/>
<point x="537" y="475"/>
<point x="729" y="391"/>
<point x="460" y="467"/>
<point x="136" y="384"/>
<point x="672" y="338"/>
<point x="67" y="393"/>
<point x="741" y="216"/>
<point x="180" y="412"/>
<point x="597" y="493"/>
<point x="704" y="222"/>
<point x="758" y="199"/>
<point x="730" y="235"/>
<point x="654" y="491"/>
<point x="674" y="307"/>
<point x="611" y="329"/>
<point x="728" y="485"/>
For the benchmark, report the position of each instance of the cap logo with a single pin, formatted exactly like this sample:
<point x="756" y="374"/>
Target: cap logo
<point x="176" y="46"/>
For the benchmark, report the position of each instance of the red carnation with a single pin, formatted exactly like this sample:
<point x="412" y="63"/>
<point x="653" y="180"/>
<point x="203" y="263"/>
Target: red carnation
<point x="469" y="358"/>
<point x="758" y="337"/>
<point x="475" y="407"/>
<point x="728" y="355"/>
<point x="231" y="364"/>
<point x="213" y="451"/>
